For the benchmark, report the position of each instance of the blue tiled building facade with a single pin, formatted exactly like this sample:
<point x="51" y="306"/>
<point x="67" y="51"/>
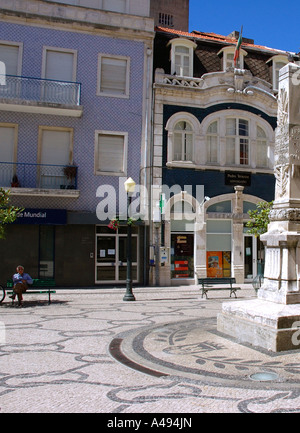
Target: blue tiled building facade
<point x="108" y="60"/>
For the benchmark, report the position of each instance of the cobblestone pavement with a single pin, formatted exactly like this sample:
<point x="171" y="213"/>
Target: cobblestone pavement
<point x="91" y="352"/>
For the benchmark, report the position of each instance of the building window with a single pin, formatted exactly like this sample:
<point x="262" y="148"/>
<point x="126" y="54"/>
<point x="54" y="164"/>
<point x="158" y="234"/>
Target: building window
<point x="276" y="68"/>
<point x="212" y="143"/>
<point x="182" y="57"/>
<point x="277" y="63"/>
<point x="113" y="76"/>
<point x="261" y="148"/>
<point x="228" y="58"/>
<point x="11" y="56"/>
<point x="111" y="153"/>
<point x="59" y="64"/>
<point x="183" y="142"/>
<point x="237" y="142"/>
<point x="55" y="152"/>
<point x="165" y="20"/>
<point x="8" y="152"/>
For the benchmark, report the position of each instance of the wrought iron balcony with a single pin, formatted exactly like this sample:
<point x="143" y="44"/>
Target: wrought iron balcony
<point x="41" y="176"/>
<point x="40" y="92"/>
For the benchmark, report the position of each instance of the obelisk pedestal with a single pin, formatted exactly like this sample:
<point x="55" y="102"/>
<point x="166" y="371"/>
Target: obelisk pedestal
<point x="271" y="320"/>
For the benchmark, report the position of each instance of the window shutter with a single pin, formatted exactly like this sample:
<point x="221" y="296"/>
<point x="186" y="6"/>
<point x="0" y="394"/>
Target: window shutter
<point x="7" y="140"/>
<point x="59" y="66"/>
<point x="111" y="153"/>
<point x="9" y="54"/>
<point x="56" y="147"/>
<point x="113" y="75"/>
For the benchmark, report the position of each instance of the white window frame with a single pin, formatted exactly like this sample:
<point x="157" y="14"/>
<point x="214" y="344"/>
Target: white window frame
<point x="60" y="50"/>
<point x="186" y="43"/>
<point x="254" y="121"/>
<point x="127" y="86"/>
<point x="237" y="139"/>
<point x="217" y="136"/>
<point x="275" y="68"/>
<point x="225" y="52"/>
<point x="19" y="45"/>
<point x="97" y="170"/>
<point x="170" y="127"/>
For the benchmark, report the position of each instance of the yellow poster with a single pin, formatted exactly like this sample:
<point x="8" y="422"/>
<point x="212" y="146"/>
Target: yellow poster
<point x="214" y="264"/>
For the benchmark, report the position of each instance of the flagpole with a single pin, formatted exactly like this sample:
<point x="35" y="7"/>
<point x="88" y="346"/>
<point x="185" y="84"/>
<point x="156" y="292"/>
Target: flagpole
<point x="238" y="47"/>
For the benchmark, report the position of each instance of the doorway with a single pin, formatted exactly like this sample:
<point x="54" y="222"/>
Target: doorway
<point x="250" y="257"/>
<point x="111" y="255"/>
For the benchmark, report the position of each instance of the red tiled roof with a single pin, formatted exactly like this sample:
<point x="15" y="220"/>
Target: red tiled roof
<point x="214" y="37"/>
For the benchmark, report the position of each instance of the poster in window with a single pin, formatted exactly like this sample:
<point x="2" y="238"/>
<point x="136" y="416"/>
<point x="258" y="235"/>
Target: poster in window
<point x="214" y="264"/>
<point x="226" y="263"/>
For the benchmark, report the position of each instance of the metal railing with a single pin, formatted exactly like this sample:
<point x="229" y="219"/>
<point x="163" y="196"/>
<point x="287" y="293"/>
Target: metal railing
<point x="44" y="176"/>
<point x="40" y="90"/>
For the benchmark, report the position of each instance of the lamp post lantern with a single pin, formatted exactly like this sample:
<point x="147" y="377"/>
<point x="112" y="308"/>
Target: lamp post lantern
<point x="129" y="188"/>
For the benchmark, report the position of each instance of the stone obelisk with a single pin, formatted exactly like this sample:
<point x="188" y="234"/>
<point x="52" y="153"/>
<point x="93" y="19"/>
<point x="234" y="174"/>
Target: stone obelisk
<point x="271" y="320"/>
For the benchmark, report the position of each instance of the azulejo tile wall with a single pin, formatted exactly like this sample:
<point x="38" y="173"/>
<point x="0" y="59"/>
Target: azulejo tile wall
<point x="99" y="113"/>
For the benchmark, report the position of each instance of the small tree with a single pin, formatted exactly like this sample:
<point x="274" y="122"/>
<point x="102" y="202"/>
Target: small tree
<point x="259" y="225"/>
<point x="259" y="218"/>
<point x="8" y="214"/>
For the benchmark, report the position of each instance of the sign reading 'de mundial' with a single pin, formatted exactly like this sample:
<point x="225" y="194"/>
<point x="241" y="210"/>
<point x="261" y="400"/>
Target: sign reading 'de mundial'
<point x="42" y="216"/>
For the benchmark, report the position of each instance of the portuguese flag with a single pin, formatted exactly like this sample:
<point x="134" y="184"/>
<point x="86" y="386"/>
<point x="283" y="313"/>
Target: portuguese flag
<point x="238" y="48"/>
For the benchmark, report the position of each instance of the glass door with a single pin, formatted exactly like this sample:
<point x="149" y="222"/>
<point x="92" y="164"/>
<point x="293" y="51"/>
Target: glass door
<point x="250" y="257"/>
<point x="106" y="258"/>
<point x="111" y="256"/>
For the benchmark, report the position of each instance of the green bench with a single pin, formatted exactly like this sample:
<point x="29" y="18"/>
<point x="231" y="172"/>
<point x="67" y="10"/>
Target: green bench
<point x="207" y="284"/>
<point x="38" y="287"/>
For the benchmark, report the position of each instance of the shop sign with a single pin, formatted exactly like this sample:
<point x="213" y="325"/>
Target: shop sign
<point x="234" y="178"/>
<point x="42" y="216"/>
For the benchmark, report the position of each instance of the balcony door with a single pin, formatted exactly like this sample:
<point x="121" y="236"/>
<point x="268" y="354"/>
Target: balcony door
<point x="7" y="154"/>
<point x="55" y="153"/>
<point x="59" y="67"/>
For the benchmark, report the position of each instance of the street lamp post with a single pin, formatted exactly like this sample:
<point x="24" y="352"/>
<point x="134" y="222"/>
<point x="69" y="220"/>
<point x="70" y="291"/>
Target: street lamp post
<point x="129" y="188"/>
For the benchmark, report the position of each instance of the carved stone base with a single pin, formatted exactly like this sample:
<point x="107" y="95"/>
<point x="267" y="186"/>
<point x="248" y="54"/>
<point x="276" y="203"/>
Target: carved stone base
<point x="261" y="323"/>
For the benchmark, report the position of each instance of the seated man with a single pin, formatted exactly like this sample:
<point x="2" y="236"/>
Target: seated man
<point x="21" y="281"/>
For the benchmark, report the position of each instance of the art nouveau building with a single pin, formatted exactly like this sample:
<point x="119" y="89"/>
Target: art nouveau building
<point x="213" y="150"/>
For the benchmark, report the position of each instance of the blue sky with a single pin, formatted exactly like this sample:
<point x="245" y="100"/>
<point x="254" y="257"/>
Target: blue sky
<point x="267" y="22"/>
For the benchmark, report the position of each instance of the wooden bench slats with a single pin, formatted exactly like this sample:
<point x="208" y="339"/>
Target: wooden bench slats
<point x="40" y="284"/>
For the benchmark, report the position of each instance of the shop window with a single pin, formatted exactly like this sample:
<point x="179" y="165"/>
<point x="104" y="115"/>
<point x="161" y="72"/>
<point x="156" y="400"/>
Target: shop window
<point x="182" y="255"/>
<point x="218" y="246"/>
<point x="222" y="207"/>
<point x="46" y="251"/>
<point x="247" y="205"/>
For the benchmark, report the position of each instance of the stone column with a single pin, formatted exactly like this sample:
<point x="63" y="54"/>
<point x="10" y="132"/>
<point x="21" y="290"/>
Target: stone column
<point x="282" y="267"/>
<point x="237" y="235"/>
<point x="271" y="320"/>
